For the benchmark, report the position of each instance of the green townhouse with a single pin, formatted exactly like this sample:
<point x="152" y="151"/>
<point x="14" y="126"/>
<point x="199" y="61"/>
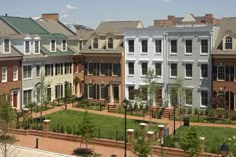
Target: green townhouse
<point x="47" y="61"/>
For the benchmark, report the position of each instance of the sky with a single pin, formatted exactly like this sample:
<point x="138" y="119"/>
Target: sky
<point x="91" y="12"/>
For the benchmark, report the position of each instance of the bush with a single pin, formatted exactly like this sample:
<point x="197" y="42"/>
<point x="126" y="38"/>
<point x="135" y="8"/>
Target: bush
<point x="190" y="110"/>
<point x="62" y="130"/>
<point x="202" y="112"/>
<point x="68" y="130"/>
<point x="220" y="114"/>
<point x="54" y="130"/>
<point x="196" y="111"/>
<point x="234" y="116"/>
<point x="210" y="113"/>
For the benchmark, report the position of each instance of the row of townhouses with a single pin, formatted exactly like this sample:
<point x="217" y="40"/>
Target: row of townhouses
<point x="107" y="64"/>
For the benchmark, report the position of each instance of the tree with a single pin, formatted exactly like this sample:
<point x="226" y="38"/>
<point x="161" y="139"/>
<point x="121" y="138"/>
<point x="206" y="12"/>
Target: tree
<point x="7" y="122"/>
<point x="68" y="94"/>
<point x="191" y="142"/>
<point x="141" y="146"/>
<point x="86" y="129"/>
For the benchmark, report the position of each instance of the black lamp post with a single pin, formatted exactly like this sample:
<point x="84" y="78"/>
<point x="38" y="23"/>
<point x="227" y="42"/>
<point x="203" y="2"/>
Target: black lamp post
<point x="224" y="150"/>
<point x="174" y="118"/>
<point x="125" y="103"/>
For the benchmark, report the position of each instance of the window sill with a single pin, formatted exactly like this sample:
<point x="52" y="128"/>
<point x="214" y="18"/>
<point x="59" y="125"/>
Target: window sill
<point x="173" y="77"/>
<point x="130" y="53"/>
<point x="188" y="78"/>
<point x="144" y="53"/>
<point x="220" y="80"/>
<point x="173" y="54"/>
<point x="15" y="80"/>
<point x="204" y="54"/>
<point x="143" y="76"/>
<point x="27" y="78"/>
<point x="129" y="75"/>
<point x="4" y="81"/>
<point x="203" y="106"/>
<point x="114" y="75"/>
<point x="188" y="54"/>
<point x="204" y="78"/>
<point x="90" y="98"/>
<point x="158" y="53"/>
<point x="188" y="105"/>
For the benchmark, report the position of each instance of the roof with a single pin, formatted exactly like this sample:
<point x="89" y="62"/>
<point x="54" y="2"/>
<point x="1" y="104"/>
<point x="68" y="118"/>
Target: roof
<point x="116" y="26"/>
<point x="84" y="34"/>
<point x="55" y="27"/>
<point x="14" y="53"/>
<point x="57" y="53"/>
<point x="24" y="25"/>
<point x="52" y="36"/>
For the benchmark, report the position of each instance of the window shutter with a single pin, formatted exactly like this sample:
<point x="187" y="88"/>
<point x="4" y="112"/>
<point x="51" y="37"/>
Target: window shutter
<point x="64" y="68"/>
<point x="109" y="69"/>
<point x="85" y="91"/>
<point x="227" y="73"/>
<point x="119" y="70"/>
<point x="98" y="92"/>
<point x="51" y="69"/>
<point x="70" y="64"/>
<point x="56" y="67"/>
<point x="62" y="90"/>
<point x="232" y="73"/>
<point x="85" y="68"/>
<point x="94" y="92"/>
<point x="214" y="73"/>
<point x="56" y="92"/>
<point x="61" y="68"/>
<point x="46" y="66"/>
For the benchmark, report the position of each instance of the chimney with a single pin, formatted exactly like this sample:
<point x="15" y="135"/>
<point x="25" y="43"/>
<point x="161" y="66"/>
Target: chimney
<point x="51" y="16"/>
<point x="6" y="14"/>
<point x="209" y="16"/>
<point x="171" y="17"/>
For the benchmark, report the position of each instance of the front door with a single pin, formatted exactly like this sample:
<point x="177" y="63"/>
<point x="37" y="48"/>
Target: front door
<point x="15" y="99"/>
<point x="116" y="93"/>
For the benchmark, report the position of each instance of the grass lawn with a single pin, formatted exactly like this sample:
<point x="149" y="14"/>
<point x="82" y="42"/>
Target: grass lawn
<point x="214" y="136"/>
<point x="106" y="126"/>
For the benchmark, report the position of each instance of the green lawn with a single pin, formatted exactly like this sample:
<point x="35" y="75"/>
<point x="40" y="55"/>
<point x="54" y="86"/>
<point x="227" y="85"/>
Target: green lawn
<point x="106" y="126"/>
<point x="214" y="136"/>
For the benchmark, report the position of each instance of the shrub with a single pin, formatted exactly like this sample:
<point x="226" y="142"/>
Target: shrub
<point x="196" y="111"/>
<point x="234" y="116"/>
<point x="62" y="130"/>
<point x="68" y="130"/>
<point x="220" y="114"/>
<point x="210" y="113"/>
<point x="190" y="110"/>
<point x="202" y="112"/>
<point x="54" y="130"/>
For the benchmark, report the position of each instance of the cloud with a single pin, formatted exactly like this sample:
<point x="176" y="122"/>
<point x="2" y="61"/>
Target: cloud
<point x="64" y="15"/>
<point x="165" y="0"/>
<point x="63" y="11"/>
<point x="70" y="7"/>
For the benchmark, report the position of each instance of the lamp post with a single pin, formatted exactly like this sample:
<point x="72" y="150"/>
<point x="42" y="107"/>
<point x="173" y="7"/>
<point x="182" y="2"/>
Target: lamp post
<point x="174" y="118"/>
<point x="125" y="103"/>
<point x="224" y="150"/>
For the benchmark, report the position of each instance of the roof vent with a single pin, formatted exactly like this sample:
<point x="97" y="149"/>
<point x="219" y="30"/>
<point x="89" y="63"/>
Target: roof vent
<point x="6" y="14"/>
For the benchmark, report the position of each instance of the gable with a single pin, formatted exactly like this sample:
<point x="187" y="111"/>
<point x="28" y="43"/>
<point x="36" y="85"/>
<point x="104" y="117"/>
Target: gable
<point x="189" y="18"/>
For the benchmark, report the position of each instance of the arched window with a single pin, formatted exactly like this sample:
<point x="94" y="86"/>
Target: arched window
<point x="95" y="43"/>
<point x="228" y="42"/>
<point x="110" y="43"/>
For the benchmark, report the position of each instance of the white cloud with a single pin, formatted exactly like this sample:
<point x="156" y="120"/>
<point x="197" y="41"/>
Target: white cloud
<point x="165" y="0"/>
<point x="63" y="11"/>
<point x="70" y="7"/>
<point x="64" y="15"/>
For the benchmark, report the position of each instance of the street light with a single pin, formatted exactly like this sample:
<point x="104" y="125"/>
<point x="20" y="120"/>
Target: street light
<point x="125" y="103"/>
<point x="224" y="150"/>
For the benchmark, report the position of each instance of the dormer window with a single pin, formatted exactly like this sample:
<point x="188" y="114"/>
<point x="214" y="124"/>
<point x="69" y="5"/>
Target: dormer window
<point x="36" y="46"/>
<point x="6" y="46"/>
<point x="53" y="45"/>
<point x="64" y="45"/>
<point x="110" y="43"/>
<point x="95" y="43"/>
<point x="228" y="42"/>
<point x="27" y="46"/>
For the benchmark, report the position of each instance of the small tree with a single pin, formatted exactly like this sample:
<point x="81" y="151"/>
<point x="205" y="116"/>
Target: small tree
<point x="87" y="129"/>
<point x="141" y="146"/>
<point x="7" y="122"/>
<point x="190" y="142"/>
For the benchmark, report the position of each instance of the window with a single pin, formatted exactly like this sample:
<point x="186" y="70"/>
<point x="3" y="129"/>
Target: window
<point x="37" y="70"/>
<point x="103" y="92"/>
<point x="27" y="97"/>
<point x="158" y="46"/>
<point x="188" y="96"/>
<point x="15" y="73"/>
<point x="188" y="45"/>
<point x="36" y="46"/>
<point x="158" y="69"/>
<point x="204" y="46"/>
<point x="110" y="43"/>
<point x="188" y="70"/>
<point x="27" y="46"/>
<point x="95" y="43"/>
<point x="49" y="70"/>
<point x="38" y="95"/>
<point x="204" y="70"/>
<point x="173" y="70"/>
<point x="59" y="91"/>
<point x="131" y="45"/>
<point x="27" y="72"/>
<point x="81" y="45"/>
<point x="104" y="69"/>
<point x="49" y="93"/>
<point x="58" y="69"/>
<point x="53" y="46"/>
<point x="67" y="68"/>
<point x="144" y="46"/>
<point x="116" y="69"/>
<point x="228" y="42"/>
<point x="91" y="68"/>
<point x="6" y="44"/>
<point x="220" y="73"/>
<point x="204" y="98"/>
<point x="64" y="45"/>
<point x="131" y="92"/>
<point x="173" y="46"/>
<point x="131" y="68"/>
<point x="144" y="68"/>
<point x="4" y="74"/>
<point x="91" y="92"/>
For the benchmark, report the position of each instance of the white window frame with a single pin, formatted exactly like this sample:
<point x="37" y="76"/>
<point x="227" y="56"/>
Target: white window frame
<point x="171" y="52"/>
<point x="186" y="97"/>
<point x="5" y="52"/>
<point x="185" y="52"/>
<point x="201" y="105"/>
<point x="129" y="68"/>
<point x="142" y="69"/>
<point x="15" y="70"/>
<point x="131" y="52"/>
<point x="25" y="78"/>
<point x="204" y="53"/>
<point x="62" y="45"/>
<point x="100" y="96"/>
<point x="108" y="43"/>
<point x="201" y="77"/>
<point x="31" y="93"/>
<point x="156" y="46"/>
<point x="39" y="70"/>
<point x="176" y="70"/>
<point x="161" y="69"/>
<point x="90" y="85"/>
<point x="144" y="52"/>
<point x="5" y="79"/>
<point x="51" y="45"/>
<point x="187" y="77"/>
<point x="38" y="46"/>
<point x="25" y="47"/>
<point x="218" y="72"/>
<point x="93" y="43"/>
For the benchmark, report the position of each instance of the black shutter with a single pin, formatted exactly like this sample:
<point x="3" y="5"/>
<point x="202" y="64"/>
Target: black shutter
<point x="51" y="69"/>
<point x="70" y="67"/>
<point x="85" y="91"/>
<point x="232" y="73"/>
<point x="56" y="66"/>
<point x="56" y="92"/>
<point x="61" y="90"/>
<point x="94" y="91"/>
<point x="109" y="69"/>
<point x="214" y="73"/>
<point x="227" y="73"/>
<point x="46" y="66"/>
<point x="85" y="68"/>
<point x="98" y="92"/>
<point x="61" y="68"/>
<point x="65" y="68"/>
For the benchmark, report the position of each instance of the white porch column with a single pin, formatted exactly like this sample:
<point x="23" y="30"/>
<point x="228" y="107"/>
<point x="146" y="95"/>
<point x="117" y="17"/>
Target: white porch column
<point x="111" y="94"/>
<point x="120" y="94"/>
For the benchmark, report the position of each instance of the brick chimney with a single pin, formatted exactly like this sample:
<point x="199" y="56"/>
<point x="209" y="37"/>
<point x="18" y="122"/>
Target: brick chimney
<point x="51" y="16"/>
<point x="171" y="17"/>
<point x="209" y="16"/>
